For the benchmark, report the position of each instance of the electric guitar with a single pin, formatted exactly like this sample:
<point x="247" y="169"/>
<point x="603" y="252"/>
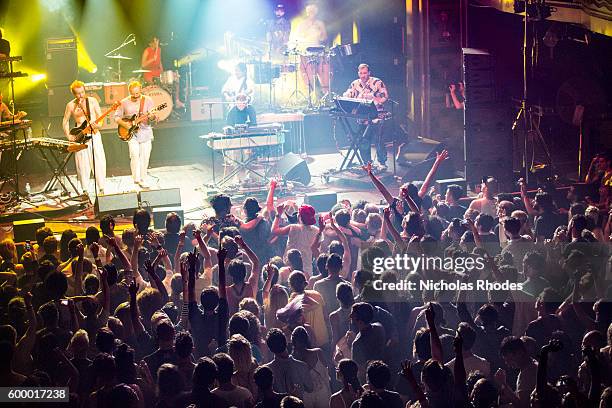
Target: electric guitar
<point x="134" y="121"/>
<point x="83" y="132"/>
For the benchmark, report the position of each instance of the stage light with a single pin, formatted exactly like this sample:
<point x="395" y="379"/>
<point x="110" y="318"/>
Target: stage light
<point x="54" y="5"/>
<point x="38" y="77"/>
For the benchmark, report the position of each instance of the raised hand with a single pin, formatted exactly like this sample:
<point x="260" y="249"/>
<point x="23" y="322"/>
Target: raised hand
<point x="197" y="234"/>
<point x="553" y="345"/>
<point x="452" y="87"/>
<point x="192" y="259"/>
<point x="273" y="183"/>
<point x="441" y="156"/>
<point x="149" y="267"/>
<point x="133" y="288"/>
<point x="321" y="224"/>
<point x="500" y="376"/>
<point x="138" y="240"/>
<point x="163" y="253"/>
<point x="153" y="239"/>
<point x="27" y="298"/>
<point x="387" y="213"/>
<point x="406" y="371"/>
<point x="95" y="249"/>
<point x="80" y="249"/>
<point x="280" y="209"/>
<point x="458" y="343"/>
<point x="430" y="315"/>
<point x="181" y="239"/>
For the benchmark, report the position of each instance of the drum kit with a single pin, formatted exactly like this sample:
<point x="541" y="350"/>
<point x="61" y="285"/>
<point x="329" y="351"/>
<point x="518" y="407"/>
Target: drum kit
<point x="164" y="90"/>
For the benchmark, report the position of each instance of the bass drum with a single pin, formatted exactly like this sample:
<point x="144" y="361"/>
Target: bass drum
<point x="159" y="96"/>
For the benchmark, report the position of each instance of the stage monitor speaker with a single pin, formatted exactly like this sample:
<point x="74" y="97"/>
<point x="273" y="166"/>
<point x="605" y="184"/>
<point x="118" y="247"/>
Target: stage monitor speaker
<point x="442" y="185"/>
<point x="417" y="150"/>
<point x="322" y="201"/>
<point x="169" y="197"/>
<point x="62" y="61"/>
<point x="417" y="157"/>
<point x="116" y="204"/>
<point x="57" y="98"/>
<point x="24" y="230"/>
<point x="293" y="168"/>
<point x="160" y="213"/>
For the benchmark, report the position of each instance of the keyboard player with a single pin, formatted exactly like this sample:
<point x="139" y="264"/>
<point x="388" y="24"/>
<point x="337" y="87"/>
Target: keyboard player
<point x="5" y="115"/>
<point x="372" y="89"/>
<point x="242" y="113"/>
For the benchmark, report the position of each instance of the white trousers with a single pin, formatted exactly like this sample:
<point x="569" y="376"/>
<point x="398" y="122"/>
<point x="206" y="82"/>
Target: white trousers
<point x="140" y="153"/>
<point x="84" y="160"/>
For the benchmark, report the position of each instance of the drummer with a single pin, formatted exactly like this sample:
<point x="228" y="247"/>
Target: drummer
<point x="152" y="61"/>
<point x="311" y="34"/>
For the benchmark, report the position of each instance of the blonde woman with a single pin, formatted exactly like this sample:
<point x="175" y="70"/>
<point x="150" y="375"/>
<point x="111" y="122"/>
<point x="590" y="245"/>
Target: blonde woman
<point x="240" y="351"/>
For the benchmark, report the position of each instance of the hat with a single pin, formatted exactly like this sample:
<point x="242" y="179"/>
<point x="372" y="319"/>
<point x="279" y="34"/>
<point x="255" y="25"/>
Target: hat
<point x="307" y="214"/>
<point x="251" y="205"/>
<point x="280" y="6"/>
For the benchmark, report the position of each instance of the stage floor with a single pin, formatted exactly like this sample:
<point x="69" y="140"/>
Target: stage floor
<point x="195" y="183"/>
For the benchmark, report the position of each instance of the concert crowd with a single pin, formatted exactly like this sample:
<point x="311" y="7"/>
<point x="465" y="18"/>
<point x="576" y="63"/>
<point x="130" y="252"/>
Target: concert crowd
<point x="280" y="307"/>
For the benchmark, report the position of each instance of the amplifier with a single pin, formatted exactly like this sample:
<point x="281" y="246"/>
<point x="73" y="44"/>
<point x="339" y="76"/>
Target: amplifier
<point x="203" y="109"/>
<point x="160" y="198"/>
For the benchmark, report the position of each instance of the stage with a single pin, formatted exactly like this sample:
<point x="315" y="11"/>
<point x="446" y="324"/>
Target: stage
<point x="194" y="179"/>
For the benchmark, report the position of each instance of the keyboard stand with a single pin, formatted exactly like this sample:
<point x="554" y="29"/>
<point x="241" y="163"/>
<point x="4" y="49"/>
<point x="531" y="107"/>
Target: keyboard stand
<point x="356" y="138"/>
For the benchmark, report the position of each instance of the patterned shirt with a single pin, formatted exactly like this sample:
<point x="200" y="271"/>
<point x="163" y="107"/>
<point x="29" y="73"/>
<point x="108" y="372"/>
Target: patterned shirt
<point x="372" y="88"/>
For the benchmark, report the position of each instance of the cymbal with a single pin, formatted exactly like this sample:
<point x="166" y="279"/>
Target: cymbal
<point x="118" y="56"/>
<point x="141" y="71"/>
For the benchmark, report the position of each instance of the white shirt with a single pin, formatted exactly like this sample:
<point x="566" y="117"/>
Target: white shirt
<point x="129" y="108"/>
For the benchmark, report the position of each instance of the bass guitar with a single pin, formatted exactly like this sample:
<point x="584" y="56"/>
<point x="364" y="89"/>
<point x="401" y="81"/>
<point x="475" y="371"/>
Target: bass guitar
<point x="126" y="133"/>
<point x="82" y="133"/>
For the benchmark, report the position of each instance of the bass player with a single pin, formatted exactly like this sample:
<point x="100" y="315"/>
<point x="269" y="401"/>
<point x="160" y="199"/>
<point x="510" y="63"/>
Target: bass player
<point x="85" y="108"/>
<point x="141" y="143"/>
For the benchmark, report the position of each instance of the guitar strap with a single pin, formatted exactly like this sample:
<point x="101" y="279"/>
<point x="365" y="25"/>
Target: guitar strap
<point x="141" y="106"/>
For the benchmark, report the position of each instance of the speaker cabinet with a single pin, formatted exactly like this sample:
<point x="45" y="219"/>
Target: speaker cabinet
<point x="160" y="213"/>
<point x="322" y="201"/>
<point x="169" y="197"/>
<point x="24" y="230"/>
<point x="442" y="185"/>
<point x="488" y="143"/>
<point x="57" y="98"/>
<point x="116" y="204"/>
<point x="293" y="168"/>
<point x="62" y="61"/>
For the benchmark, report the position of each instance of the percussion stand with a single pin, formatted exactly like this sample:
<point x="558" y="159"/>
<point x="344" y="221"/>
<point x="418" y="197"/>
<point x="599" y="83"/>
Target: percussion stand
<point x="296" y="92"/>
<point x="329" y="96"/>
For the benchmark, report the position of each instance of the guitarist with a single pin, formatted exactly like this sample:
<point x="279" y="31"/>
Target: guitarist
<point x="238" y="83"/>
<point x="85" y="108"/>
<point x="141" y="143"/>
